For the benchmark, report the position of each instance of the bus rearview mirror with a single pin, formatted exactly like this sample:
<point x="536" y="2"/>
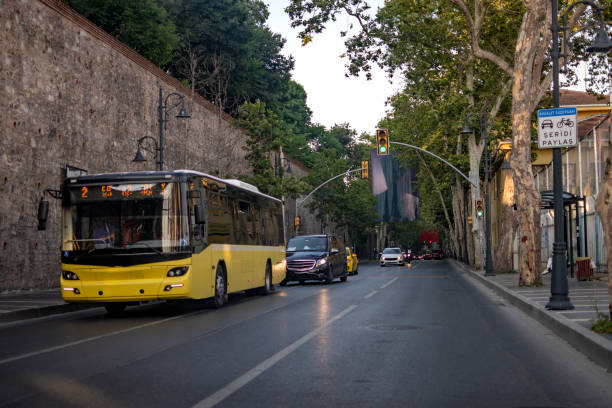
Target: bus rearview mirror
<point x="200" y="214"/>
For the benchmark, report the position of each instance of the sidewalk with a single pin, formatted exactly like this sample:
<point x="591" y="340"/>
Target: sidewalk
<point x="31" y="304"/>
<point x="573" y="326"/>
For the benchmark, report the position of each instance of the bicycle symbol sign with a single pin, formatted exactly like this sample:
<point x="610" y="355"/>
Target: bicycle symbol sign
<point x="557" y="128"/>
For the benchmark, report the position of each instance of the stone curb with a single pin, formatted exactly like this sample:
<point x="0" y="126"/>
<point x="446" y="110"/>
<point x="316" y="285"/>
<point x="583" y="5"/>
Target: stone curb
<point x="589" y="343"/>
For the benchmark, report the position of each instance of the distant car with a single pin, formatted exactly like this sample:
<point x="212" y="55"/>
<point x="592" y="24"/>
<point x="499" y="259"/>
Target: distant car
<point x="547" y="124"/>
<point x="352" y="263"/>
<point x="437" y="254"/>
<point x="428" y="255"/>
<point x="391" y="256"/>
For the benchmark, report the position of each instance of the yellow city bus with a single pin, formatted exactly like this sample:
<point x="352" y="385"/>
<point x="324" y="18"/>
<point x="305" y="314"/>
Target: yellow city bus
<point x="143" y="236"/>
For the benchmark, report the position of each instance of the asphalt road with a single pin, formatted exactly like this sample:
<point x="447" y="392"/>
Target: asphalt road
<point x="418" y="336"/>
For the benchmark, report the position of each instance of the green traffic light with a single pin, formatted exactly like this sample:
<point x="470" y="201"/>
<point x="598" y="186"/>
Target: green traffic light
<point x="383" y="149"/>
<point x="480" y="213"/>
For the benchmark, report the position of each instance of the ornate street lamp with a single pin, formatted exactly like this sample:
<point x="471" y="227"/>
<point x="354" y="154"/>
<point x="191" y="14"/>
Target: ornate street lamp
<point x="281" y="163"/>
<point x="482" y="119"/>
<point x="559" y="299"/>
<point x="139" y="158"/>
<point x="162" y="119"/>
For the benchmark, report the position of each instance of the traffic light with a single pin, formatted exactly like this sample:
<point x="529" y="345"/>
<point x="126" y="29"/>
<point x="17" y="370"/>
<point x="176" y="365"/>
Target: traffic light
<point x="364" y="169"/>
<point x="296" y="223"/>
<point x="479" y="210"/>
<point x="382" y="141"/>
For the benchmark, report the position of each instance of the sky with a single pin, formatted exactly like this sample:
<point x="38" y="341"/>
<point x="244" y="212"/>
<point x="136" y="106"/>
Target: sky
<point x="332" y="97"/>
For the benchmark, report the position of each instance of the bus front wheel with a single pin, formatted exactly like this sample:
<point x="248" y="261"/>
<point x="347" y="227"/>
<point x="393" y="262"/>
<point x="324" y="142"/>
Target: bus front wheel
<point x="220" y="288"/>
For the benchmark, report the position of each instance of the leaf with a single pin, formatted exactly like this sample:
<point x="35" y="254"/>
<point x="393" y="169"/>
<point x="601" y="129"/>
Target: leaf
<point x="306" y="39"/>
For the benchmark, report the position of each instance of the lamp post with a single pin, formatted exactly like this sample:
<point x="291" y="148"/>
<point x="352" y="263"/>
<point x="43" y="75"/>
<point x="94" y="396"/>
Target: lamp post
<point x="482" y="119"/>
<point x="162" y="119"/>
<point x="559" y="299"/>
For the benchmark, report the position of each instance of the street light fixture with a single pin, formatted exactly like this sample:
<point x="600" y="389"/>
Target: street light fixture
<point x="162" y="119"/>
<point x="482" y="119"/>
<point x="139" y="158"/>
<point x="559" y="299"/>
<point x="279" y="163"/>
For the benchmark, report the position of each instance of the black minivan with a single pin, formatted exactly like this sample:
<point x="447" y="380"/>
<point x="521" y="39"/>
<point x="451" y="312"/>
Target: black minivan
<point x="315" y="257"/>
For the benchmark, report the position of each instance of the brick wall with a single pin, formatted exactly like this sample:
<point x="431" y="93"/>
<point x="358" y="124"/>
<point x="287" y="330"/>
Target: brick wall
<point x="73" y="95"/>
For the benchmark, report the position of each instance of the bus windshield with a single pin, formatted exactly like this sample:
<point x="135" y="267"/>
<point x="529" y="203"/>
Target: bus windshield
<point x="128" y="217"/>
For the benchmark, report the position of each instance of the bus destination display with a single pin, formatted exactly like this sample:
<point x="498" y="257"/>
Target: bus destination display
<point x="119" y="192"/>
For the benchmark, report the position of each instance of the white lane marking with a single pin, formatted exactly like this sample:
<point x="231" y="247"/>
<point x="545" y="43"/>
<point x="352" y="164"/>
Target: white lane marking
<point x="369" y="295"/>
<point x="390" y="282"/>
<point x="253" y="373"/>
<point x="76" y="343"/>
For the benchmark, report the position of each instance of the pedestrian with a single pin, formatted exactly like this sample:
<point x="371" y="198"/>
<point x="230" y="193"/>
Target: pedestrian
<point x="375" y="254"/>
<point x="549" y="264"/>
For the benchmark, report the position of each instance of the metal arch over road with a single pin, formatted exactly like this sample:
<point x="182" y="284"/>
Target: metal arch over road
<point x="437" y="157"/>
<point x="300" y="202"/>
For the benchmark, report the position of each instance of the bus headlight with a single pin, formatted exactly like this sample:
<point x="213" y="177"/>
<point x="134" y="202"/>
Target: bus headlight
<point x="180" y="271"/>
<point x="67" y="275"/>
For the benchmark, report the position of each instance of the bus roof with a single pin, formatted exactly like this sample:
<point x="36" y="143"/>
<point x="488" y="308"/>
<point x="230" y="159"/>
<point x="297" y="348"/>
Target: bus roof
<point x="161" y="175"/>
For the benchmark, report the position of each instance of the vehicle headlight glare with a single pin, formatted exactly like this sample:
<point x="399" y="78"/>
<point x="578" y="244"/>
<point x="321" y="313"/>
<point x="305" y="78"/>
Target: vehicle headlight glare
<point x="180" y="271"/>
<point x="322" y="261"/>
<point x="67" y="275"/>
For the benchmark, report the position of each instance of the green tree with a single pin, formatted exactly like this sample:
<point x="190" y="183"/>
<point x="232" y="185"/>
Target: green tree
<point x="263" y="130"/>
<point x="229" y="55"/>
<point x="141" y="24"/>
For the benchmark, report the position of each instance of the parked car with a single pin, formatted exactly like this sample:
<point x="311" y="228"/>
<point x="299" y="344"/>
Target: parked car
<point x="352" y="263"/>
<point x="391" y="256"/>
<point x="315" y="257"/>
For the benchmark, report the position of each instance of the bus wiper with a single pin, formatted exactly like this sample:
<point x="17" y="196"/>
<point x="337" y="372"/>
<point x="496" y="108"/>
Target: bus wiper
<point x="150" y="247"/>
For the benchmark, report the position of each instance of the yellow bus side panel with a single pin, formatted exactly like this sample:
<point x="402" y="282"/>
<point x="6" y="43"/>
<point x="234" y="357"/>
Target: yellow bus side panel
<point x="246" y="264"/>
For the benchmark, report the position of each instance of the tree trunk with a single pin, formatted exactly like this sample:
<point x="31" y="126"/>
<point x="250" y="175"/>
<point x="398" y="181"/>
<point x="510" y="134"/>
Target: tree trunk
<point x="604" y="210"/>
<point x="459" y="216"/>
<point x="475" y="152"/>
<point x="502" y="259"/>
<point x="603" y="207"/>
<point x="527" y="197"/>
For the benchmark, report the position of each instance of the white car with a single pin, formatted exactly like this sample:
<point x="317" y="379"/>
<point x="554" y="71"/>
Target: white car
<point x="391" y="256"/>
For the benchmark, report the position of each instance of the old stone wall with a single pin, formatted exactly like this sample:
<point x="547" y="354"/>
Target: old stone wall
<point x="74" y="96"/>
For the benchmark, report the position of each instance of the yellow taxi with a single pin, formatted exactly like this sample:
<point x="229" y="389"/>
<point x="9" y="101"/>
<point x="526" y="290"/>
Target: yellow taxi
<point x="352" y="262"/>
